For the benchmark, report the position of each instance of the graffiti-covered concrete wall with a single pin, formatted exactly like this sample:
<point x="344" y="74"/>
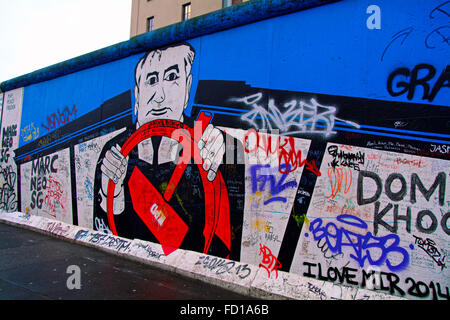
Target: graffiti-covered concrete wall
<point x="11" y="117"/>
<point x="313" y="141"/>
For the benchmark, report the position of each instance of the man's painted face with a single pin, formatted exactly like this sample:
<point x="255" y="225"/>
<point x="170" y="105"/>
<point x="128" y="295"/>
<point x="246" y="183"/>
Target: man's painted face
<point x="163" y="86"/>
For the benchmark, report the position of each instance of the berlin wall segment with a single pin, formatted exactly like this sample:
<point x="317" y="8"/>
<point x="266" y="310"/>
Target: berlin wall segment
<point x="264" y="154"/>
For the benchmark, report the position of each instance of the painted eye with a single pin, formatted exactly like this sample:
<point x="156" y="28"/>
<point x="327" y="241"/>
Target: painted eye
<point x="152" y="80"/>
<point x="171" y="76"/>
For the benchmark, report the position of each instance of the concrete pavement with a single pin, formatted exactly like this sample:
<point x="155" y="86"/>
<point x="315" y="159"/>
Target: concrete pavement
<point x="34" y="266"/>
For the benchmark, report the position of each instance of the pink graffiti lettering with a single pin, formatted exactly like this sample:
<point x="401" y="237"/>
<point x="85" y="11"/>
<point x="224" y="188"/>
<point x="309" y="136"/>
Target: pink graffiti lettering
<point x="289" y="158"/>
<point x="58" y="118"/>
<point x="269" y="261"/>
<point x="54" y="197"/>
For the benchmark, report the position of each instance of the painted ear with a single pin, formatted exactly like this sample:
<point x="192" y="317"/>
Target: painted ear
<point x="136" y="100"/>
<point x="188" y="90"/>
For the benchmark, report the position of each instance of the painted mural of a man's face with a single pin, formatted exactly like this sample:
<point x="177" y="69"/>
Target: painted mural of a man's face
<point x="163" y="82"/>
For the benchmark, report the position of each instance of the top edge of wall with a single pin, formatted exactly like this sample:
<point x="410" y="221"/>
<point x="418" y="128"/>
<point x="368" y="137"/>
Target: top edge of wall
<point x="220" y="20"/>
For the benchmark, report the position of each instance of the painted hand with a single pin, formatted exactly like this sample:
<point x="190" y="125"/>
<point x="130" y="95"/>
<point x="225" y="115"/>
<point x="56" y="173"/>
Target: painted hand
<point x="114" y="165"/>
<point x="212" y="149"/>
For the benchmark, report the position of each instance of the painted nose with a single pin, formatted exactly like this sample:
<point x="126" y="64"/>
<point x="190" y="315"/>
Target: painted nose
<point x="160" y="95"/>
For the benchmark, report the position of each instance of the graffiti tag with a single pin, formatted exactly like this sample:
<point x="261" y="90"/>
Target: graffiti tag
<point x="295" y="116"/>
<point x="362" y="244"/>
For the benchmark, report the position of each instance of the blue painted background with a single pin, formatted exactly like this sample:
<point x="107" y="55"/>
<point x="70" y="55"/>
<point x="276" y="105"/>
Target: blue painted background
<point x="327" y="49"/>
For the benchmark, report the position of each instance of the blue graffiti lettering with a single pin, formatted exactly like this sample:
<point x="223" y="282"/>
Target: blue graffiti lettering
<point x="337" y="238"/>
<point x="261" y="174"/>
<point x="89" y="188"/>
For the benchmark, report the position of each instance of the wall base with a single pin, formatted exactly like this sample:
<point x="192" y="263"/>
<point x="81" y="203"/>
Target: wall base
<point x="239" y="277"/>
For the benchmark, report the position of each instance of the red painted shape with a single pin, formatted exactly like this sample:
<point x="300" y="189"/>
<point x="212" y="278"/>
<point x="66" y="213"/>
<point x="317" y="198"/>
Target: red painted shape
<point x="187" y="139"/>
<point x="156" y="213"/>
<point x="217" y="211"/>
<point x="110" y="206"/>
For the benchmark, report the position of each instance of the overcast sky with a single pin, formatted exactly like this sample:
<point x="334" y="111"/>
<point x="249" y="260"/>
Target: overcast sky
<point x="38" y="33"/>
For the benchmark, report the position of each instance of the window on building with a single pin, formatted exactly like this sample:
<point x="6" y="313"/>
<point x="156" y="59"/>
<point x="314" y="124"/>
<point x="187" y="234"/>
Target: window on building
<point x="229" y="3"/>
<point x="186" y="14"/>
<point x="150" y="23"/>
<point x="226" y="3"/>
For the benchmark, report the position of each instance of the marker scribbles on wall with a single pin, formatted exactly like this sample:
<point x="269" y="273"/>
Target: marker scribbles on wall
<point x="86" y="157"/>
<point x="434" y="35"/>
<point x="46" y="186"/>
<point x="271" y="189"/>
<point x="386" y="210"/>
<point x="10" y="133"/>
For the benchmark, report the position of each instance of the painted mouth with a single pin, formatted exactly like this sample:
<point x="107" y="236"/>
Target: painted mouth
<point x="159" y="112"/>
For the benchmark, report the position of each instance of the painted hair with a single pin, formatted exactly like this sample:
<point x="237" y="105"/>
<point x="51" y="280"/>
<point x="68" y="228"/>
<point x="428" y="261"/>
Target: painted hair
<point x="188" y="53"/>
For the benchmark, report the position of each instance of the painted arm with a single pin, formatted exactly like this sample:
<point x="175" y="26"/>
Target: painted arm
<point x="212" y="149"/>
<point x="114" y="166"/>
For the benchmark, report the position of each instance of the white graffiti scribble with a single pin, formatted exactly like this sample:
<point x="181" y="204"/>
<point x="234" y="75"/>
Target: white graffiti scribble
<point x="101" y="226"/>
<point x="295" y="117"/>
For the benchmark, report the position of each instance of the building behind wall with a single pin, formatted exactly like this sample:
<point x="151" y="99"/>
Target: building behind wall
<point x="148" y="15"/>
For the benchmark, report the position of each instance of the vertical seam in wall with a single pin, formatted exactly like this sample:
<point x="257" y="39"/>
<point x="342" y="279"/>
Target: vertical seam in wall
<point x="365" y="67"/>
<point x="19" y="190"/>
<point x="269" y="72"/>
<point x="1" y="111"/>
<point x="73" y="185"/>
<point x="19" y="126"/>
